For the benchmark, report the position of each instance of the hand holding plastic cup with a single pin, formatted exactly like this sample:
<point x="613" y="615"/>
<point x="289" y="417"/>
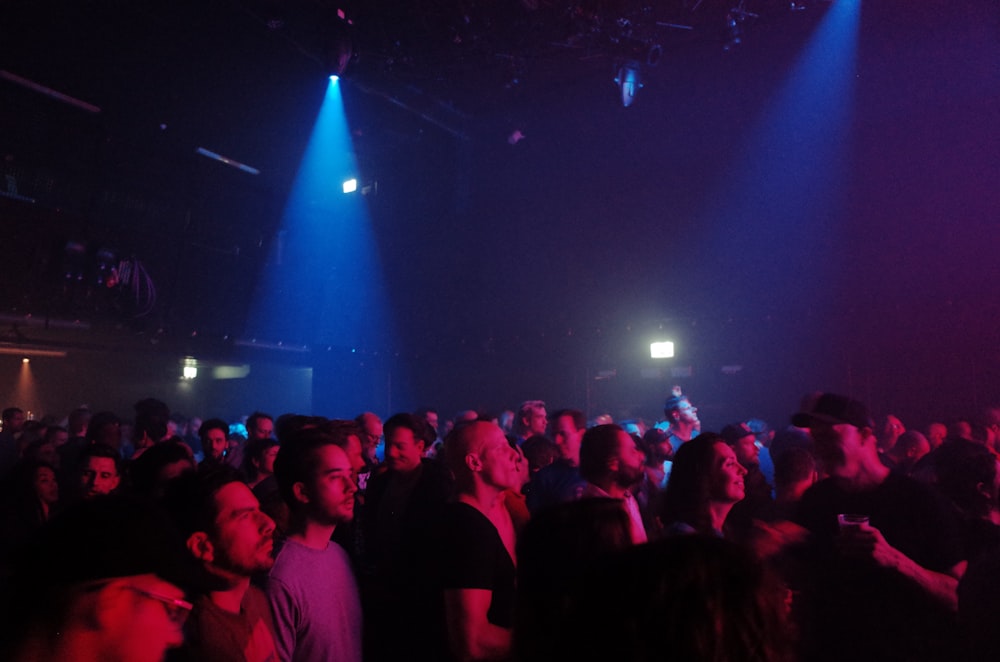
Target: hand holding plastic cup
<point x="850" y="523"/>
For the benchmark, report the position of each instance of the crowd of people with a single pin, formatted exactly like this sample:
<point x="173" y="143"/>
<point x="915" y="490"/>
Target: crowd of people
<point x="523" y="536"/>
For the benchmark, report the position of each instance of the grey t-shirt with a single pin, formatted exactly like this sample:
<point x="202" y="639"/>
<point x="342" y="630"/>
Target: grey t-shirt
<point x="314" y="600"/>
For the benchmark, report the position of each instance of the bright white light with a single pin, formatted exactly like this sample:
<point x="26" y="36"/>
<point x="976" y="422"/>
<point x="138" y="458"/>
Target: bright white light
<point x="350" y="185"/>
<point x="190" y="372"/>
<point x="334" y="78"/>
<point x="25" y="360"/>
<point x="661" y="350"/>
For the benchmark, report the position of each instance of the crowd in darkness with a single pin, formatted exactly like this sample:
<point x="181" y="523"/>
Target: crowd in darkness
<point x="533" y="535"/>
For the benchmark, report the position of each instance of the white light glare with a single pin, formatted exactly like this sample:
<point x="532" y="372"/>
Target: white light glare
<point x="661" y="350"/>
<point x="190" y="372"/>
<point x="350" y="185"/>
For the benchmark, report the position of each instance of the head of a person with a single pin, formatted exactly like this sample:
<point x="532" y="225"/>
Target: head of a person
<point x="407" y="437"/>
<point x="13" y="419"/>
<point x="260" y="426"/>
<point x="531" y="418"/>
<point x="106" y="576"/>
<point x="743" y="441"/>
<point x="705" y="473"/>
<point x="967" y="474"/>
<point x="568" y="426"/>
<point x="151" y="471"/>
<point x="214" y="435"/>
<point x="105" y="428"/>
<point x="258" y="458"/>
<point x="540" y="452"/>
<point x="656" y="444"/>
<point x="478" y="454"/>
<point x="151" y="416"/>
<point x="911" y="446"/>
<point x="936" y="433"/>
<point x="100" y="470"/>
<point x="679" y="411"/>
<point x="609" y="455"/>
<point x="794" y="468"/>
<point x="315" y="477"/>
<point x="843" y="433"/>
<point x="78" y="421"/>
<point x="430" y="416"/>
<point x="56" y="434"/>
<point x="371" y="433"/>
<point x="222" y="523"/>
<point x="347" y="434"/>
<point x="43" y="450"/>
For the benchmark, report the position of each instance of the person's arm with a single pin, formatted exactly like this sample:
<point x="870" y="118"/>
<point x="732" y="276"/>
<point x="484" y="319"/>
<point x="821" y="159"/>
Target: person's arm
<point x="943" y="586"/>
<point x="285" y="613"/>
<point x="470" y="635"/>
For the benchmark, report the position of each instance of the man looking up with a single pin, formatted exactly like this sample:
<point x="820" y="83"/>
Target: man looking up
<point x="232" y="539"/>
<point x="889" y="578"/>
<point x="311" y="588"/>
<point x="682" y="417"/>
<point x="477" y="542"/>
<point x="612" y="465"/>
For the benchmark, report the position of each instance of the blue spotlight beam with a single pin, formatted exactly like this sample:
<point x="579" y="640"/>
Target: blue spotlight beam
<point x="785" y="193"/>
<point x="323" y="284"/>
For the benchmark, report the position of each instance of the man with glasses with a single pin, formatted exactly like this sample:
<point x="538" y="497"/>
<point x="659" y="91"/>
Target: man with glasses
<point x="101" y="582"/>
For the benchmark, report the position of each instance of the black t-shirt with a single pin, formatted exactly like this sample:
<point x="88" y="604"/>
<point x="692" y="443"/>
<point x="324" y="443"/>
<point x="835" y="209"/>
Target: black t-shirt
<point x="472" y="555"/>
<point x="852" y="609"/>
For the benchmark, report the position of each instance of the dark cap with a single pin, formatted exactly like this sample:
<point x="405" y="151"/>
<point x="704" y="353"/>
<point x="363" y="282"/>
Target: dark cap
<point x="733" y="433"/>
<point x="832" y="409"/>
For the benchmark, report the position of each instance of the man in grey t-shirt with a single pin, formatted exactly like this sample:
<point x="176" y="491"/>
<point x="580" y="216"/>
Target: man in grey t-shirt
<point x="312" y="592"/>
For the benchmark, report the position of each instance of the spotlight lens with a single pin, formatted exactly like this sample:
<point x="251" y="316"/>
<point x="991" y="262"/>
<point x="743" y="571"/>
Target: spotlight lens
<point x="334" y="78"/>
<point x="661" y="350"/>
<point x="350" y="186"/>
<point x="26" y="360"/>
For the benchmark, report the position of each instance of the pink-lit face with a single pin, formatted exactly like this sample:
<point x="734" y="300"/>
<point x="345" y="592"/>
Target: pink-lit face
<point x="331" y="492"/>
<point x="215" y="444"/>
<point x="727" y="476"/>
<point x="266" y="465"/>
<point x="99" y="477"/>
<point x="263" y="429"/>
<point x="631" y="460"/>
<point x="499" y="461"/>
<point x="403" y="451"/>
<point x="747" y="452"/>
<point x="567" y="439"/>
<point x="243" y="535"/>
<point x="144" y="621"/>
<point x="46" y="487"/>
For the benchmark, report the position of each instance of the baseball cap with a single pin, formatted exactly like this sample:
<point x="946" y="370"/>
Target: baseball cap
<point x="832" y="409"/>
<point x="735" y="431"/>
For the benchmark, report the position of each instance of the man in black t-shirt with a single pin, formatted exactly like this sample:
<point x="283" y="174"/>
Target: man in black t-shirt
<point x="885" y="589"/>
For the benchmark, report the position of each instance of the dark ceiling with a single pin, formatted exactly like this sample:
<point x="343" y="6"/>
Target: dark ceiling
<point x="696" y="209"/>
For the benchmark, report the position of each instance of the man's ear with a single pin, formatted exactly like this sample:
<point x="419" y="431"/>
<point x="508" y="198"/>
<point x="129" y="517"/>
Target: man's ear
<point x="300" y="492"/>
<point x="201" y="547"/>
<point x="473" y="462"/>
<point x="108" y="606"/>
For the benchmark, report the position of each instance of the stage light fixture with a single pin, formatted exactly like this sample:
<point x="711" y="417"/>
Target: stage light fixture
<point x="628" y="78"/>
<point x="661" y="350"/>
<point x="350" y="185"/>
